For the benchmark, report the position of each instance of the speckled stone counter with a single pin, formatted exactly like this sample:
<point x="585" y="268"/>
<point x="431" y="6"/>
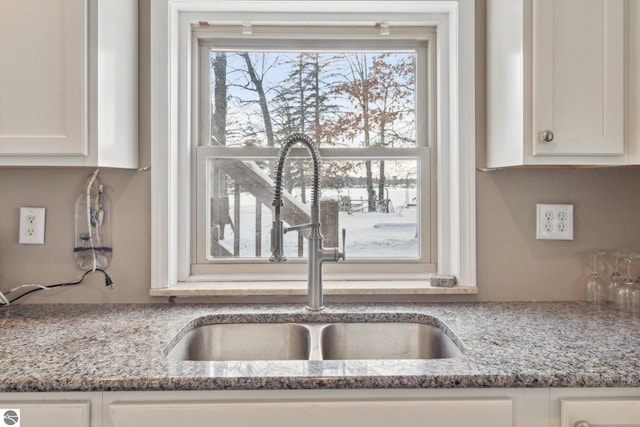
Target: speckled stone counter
<point x="122" y="347"/>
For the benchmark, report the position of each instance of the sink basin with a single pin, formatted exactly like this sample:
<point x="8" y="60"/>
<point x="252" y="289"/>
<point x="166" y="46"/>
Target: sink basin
<point x="314" y="341"/>
<point x="244" y="341"/>
<point x="386" y="341"/>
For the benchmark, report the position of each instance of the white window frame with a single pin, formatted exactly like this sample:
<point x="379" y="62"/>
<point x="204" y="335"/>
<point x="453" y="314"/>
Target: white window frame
<point x="173" y="164"/>
<point x="403" y="38"/>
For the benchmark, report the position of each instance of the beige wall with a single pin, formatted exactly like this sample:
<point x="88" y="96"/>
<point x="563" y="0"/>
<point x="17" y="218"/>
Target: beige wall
<point x="512" y="264"/>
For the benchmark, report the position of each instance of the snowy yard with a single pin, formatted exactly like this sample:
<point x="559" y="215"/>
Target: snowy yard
<point x="369" y="234"/>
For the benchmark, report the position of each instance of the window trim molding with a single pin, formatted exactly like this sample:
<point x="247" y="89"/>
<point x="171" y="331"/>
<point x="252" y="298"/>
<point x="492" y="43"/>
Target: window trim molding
<point x="422" y="40"/>
<point x="172" y="171"/>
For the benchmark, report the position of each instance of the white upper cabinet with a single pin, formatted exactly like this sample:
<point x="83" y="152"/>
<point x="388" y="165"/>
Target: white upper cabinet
<point x="556" y="82"/>
<point x="42" y="77"/>
<point x="69" y="83"/>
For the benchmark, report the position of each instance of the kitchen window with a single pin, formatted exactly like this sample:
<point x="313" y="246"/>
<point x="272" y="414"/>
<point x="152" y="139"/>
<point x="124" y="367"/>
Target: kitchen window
<point x="239" y="81"/>
<point x="367" y="102"/>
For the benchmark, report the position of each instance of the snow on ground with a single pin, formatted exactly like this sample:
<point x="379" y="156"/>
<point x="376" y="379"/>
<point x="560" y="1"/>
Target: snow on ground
<point x="369" y="234"/>
<point x="376" y="234"/>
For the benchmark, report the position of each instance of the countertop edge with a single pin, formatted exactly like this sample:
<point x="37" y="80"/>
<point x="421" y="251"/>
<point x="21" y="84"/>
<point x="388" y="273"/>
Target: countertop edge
<point x="305" y="383"/>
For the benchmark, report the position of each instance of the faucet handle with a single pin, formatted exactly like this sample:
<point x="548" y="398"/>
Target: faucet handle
<point x="341" y="254"/>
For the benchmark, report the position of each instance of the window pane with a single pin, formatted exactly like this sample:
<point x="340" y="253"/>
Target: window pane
<point x="376" y="201"/>
<point x="339" y="99"/>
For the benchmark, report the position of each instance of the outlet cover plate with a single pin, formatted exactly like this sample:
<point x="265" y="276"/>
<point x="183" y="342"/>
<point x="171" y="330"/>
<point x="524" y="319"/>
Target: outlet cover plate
<point x="32" y="226"/>
<point x="554" y="222"/>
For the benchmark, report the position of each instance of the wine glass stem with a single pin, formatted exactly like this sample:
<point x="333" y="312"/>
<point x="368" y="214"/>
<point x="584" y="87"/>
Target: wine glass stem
<point x="594" y="265"/>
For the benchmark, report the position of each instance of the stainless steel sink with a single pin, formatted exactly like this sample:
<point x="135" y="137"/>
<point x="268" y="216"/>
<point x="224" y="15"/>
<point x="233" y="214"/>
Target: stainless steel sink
<point x="244" y="341"/>
<point x="314" y="341"/>
<point x="386" y="341"/>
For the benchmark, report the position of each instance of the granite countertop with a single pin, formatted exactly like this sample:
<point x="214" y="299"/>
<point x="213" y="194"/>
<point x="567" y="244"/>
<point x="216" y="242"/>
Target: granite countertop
<point x="121" y="347"/>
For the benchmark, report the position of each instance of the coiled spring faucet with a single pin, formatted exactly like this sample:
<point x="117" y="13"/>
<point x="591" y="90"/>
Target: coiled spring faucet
<point x="317" y="254"/>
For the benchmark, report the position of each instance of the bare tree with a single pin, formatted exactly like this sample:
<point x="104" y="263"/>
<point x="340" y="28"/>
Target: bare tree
<point x="391" y="95"/>
<point x="356" y="86"/>
<point x="220" y="200"/>
<point x="302" y="105"/>
<point x="381" y="89"/>
<point x="257" y="81"/>
<point x="219" y="115"/>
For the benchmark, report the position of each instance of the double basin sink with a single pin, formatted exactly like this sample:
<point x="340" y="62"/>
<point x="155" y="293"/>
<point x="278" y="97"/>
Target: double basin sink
<point x="313" y="341"/>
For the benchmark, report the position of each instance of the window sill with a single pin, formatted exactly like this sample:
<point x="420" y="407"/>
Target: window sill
<point x="352" y="287"/>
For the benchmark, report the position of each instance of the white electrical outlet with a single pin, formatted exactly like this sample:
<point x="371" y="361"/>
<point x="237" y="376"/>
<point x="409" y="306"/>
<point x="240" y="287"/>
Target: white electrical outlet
<point x="32" y="226"/>
<point x="554" y="222"/>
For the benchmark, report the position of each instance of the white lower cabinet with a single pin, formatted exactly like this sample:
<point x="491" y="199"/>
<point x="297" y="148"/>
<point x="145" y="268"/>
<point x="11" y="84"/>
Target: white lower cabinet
<point x="46" y="414"/>
<point x="584" y="407"/>
<point x="372" y="413"/>
<point x="523" y="407"/>
<point x="51" y="409"/>
<point x="601" y="412"/>
<point x="335" y="408"/>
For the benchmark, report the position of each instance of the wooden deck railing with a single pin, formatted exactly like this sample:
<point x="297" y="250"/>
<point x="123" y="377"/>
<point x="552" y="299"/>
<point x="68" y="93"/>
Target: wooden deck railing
<point x="247" y="177"/>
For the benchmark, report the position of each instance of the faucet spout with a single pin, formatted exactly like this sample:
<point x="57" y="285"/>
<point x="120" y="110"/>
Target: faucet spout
<point x="317" y="253"/>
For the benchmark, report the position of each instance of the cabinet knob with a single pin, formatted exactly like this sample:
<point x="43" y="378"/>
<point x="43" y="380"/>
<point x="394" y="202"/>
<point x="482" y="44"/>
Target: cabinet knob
<point x="582" y="423"/>
<point x="547" y="136"/>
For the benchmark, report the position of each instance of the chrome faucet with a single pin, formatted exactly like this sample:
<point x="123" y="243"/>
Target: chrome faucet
<point x="316" y="252"/>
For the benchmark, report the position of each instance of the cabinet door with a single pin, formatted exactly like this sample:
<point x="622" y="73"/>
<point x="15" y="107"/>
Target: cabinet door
<point x="42" y="78"/>
<point x="578" y="60"/>
<point x="378" y="413"/>
<point x="48" y="414"/>
<point x="600" y="412"/>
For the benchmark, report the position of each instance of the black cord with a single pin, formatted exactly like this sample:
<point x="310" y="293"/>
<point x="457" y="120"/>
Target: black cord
<point x="107" y="282"/>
